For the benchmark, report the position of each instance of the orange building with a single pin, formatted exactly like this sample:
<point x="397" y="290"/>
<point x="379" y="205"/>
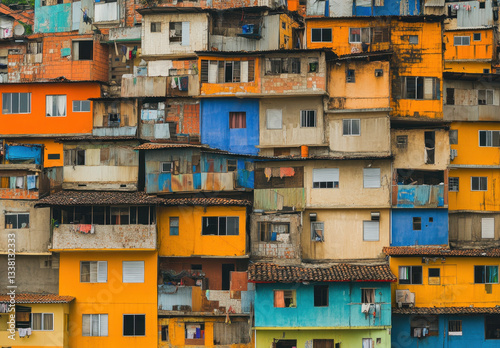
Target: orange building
<point x="38" y="112"/>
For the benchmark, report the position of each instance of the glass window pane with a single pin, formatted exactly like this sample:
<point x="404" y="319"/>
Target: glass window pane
<point x="24" y="102"/>
<point x="36" y="321"/>
<point x="140" y="325"/>
<point x="85" y="105"/>
<point x="76" y="105"/>
<point x="128" y="325"/>
<point x="232" y="226"/>
<point x="15" y="103"/>
<point x="355" y="127"/>
<point x="48" y="321"/>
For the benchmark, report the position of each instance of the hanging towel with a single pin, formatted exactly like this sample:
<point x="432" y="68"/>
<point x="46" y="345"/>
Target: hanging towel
<point x="22" y="332"/>
<point x="365" y="307"/>
<point x="173" y="84"/>
<point x="12" y="182"/>
<point x="20" y="182"/>
<point x="268" y="173"/>
<point x="286" y="171"/>
<point x="85" y="228"/>
<point x="31" y="180"/>
<point x="425" y="331"/>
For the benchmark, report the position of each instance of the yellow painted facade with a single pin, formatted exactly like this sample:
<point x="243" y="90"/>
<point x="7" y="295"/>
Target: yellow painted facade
<point x="456" y="286"/>
<point x="56" y="338"/>
<point x="114" y="297"/>
<point x="177" y="331"/>
<point x="468" y="150"/>
<point x="467" y="199"/>
<point x="472" y="52"/>
<point x="190" y="241"/>
<point x="286" y="31"/>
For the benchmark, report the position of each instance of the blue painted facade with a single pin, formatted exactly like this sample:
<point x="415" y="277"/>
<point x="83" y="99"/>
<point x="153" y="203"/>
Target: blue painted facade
<point x="52" y="19"/>
<point x="411" y="196"/>
<point x="215" y="130"/>
<point x="19" y="153"/>
<point x="343" y="310"/>
<point x="210" y="173"/>
<point x="434" y="227"/>
<point x="473" y="333"/>
<point x="390" y="8"/>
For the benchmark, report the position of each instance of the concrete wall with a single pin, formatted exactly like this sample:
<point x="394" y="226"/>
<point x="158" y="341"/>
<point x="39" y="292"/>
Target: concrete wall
<point x="465" y="230"/>
<point x="343" y="235"/>
<point x="67" y="237"/>
<point x="465" y="107"/>
<point x="31" y="274"/>
<point x="374" y="138"/>
<point x="291" y="133"/>
<point x="412" y="156"/>
<point x="34" y="239"/>
<point x="433" y="232"/>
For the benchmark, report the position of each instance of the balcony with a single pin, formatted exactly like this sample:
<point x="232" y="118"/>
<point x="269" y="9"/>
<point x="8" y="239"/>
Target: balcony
<point x="29" y="185"/>
<point x="109" y="237"/>
<point x="419" y="196"/>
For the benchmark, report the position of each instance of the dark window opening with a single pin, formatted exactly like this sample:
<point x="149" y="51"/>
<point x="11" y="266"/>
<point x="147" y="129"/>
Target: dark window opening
<point x="492" y="327"/>
<point x="134" y="325"/>
<point x="320" y="295"/>
<point x="410" y="275"/>
<point x="417" y="223"/>
<point x="53" y="156"/>
<point x="450" y="96"/>
<point x="429" y="147"/>
<point x="419" y="177"/>
<point x="227" y="268"/>
<point x="286" y="343"/>
<point x="164" y="333"/>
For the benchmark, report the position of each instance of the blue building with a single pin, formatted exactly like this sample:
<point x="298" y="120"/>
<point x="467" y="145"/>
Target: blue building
<point x="419" y="227"/>
<point x="230" y="124"/>
<point x="345" y="305"/>
<point x="348" y="8"/>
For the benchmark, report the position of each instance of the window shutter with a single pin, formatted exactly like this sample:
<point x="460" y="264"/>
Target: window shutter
<point x="244" y="71"/>
<point x="488" y="228"/>
<point x="93" y="272"/>
<point x="185" y="34"/>
<point x="251" y="70"/>
<point x="371" y="177"/>
<point x="370" y="230"/>
<point x="212" y="72"/>
<point x="102" y="271"/>
<point x="325" y="174"/>
<point x="429" y="88"/>
<point x="204" y="71"/>
<point x="86" y="325"/>
<point x="274" y="118"/>
<point x="103" y="325"/>
<point x="133" y="271"/>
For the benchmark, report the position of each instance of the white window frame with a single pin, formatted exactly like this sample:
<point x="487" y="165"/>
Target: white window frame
<point x="103" y="325"/>
<point x="434" y="92"/>
<point x="319" y="176"/>
<point x="237" y="218"/>
<point x="455" y="333"/>
<point x="156" y="26"/>
<point x="479" y="183"/>
<point x="366" y="236"/>
<point x="101" y="271"/>
<point x="42" y="321"/>
<point x="6" y="96"/>
<point x="304" y="118"/>
<point x="134" y="335"/>
<point x="49" y="101"/>
<point x="489" y="138"/>
<point x="274" y="113"/>
<point x="353" y="40"/>
<point x="367" y="180"/>
<point x="162" y="170"/>
<point x="489" y="96"/>
<point x="17" y="217"/>
<point x="322" y="29"/>
<point x="315" y="226"/>
<point x="488" y="228"/>
<point x="131" y="278"/>
<point x="349" y="132"/>
<point x="462" y="40"/>
<point x="80" y="104"/>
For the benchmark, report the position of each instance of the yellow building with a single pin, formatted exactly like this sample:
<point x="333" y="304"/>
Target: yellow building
<point x="470" y="50"/>
<point x="45" y="315"/>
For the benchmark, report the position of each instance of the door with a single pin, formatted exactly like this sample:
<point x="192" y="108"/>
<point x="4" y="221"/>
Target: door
<point x="226" y="275"/>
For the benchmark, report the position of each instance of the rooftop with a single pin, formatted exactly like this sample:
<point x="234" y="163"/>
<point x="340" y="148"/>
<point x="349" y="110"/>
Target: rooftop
<point x="97" y="198"/>
<point x="206" y="201"/>
<point x="447" y="310"/>
<point x="37" y="298"/>
<point x="436" y="251"/>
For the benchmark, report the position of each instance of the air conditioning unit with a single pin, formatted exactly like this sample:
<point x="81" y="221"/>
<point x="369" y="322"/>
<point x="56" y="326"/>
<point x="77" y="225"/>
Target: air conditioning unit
<point x="453" y="154"/>
<point x="405" y="298"/>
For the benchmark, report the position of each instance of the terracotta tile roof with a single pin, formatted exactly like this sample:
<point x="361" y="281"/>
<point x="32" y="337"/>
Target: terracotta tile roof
<point x="436" y="251"/>
<point x="161" y="146"/>
<point x="95" y="138"/>
<point x="21" y="16"/>
<point x="98" y="198"/>
<point x="37" y="298"/>
<point x="208" y="201"/>
<point x="447" y="310"/>
<point x="268" y="272"/>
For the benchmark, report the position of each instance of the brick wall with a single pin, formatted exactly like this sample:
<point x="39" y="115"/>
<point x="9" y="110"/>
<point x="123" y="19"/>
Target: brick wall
<point x="186" y="115"/>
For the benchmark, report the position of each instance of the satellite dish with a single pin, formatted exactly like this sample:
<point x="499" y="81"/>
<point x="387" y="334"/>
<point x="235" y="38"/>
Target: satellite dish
<point x="18" y="30"/>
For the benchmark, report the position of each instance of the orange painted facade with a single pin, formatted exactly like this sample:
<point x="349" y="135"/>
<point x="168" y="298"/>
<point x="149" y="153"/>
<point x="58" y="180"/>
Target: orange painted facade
<point x="470" y="51"/>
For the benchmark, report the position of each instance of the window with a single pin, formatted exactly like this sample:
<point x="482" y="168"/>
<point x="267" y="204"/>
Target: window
<point x="274" y="118"/>
<point x="166" y="167"/>
<point x="83" y="50"/>
<point x="134" y="325"/>
<point x="281" y="343"/>
<point x="486" y="274"/>
<point x="55" y="105"/>
<point x="93" y="271"/>
<point x="350" y="76"/>
<point x="492" y="327"/>
<point x="455" y="328"/>
<point x="450" y="96"/>
<point x="174" y="225"/>
<point x="275" y="66"/>
<point x="17" y="220"/>
<point x="417" y="223"/>
<point x="370" y="231"/>
<point x="320" y="295"/>
<point x="351" y="127"/>
<point x="133" y="271"/>
<point x="232" y="165"/>
<point x="81" y="105"/>
<point x="321" y="35"/>
<point x="322" y="343"/>
<point x="16" y="103"/>
<point x="479" y="183"/>
<point x="95" y="325"/>
<point x="421" y="87"/>
<point x="274" y="231"/>
<point x="164" y="333"/>
<point x="367" y="343"/>
<point x="453" y="133"/>
<point x="222" y="71"/>
<point x="237" y="120"/>
<point x="318" y="231"/>
<point x="156" y="27"/>
<point x="461" y="40"/>
<point x="434" y="276"/>
<point x="367" y="295"/>
<point x="413" y="39"/>
<point x="410" y="275"/>
<point x="53" y="156"/>
<point x="284" y="298"/>
<point x="42" y="321"/>
<point x="401" y="141"/>
<point x="175" y="32"/>
<point x="313" y="64"/>
<point x="220" y="225"/>
<point x="380" y="35"/>
<point x="429" y="142"/>
<point x="453" y="184"/>
<point x="489" y="138"/>
<point x="120" y="215"/>
<point x="371" y="177"/>
<point x="485" y="97"/>
<point x="476" y="37"/>
<point x="326" y="178"/>
<point x="359" y="35"/>
<point x="487" y="228"/>
<point x="308" y="118"/>
<point x="194" y="334"/>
